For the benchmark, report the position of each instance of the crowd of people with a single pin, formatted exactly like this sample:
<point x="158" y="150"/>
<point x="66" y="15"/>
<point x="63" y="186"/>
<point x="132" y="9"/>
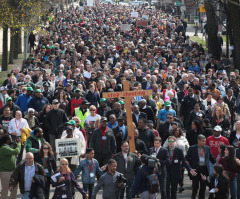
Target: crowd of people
<point x="189" y="123"/>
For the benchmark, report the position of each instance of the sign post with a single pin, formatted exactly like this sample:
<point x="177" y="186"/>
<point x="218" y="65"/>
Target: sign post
<point x="127" y="94"/>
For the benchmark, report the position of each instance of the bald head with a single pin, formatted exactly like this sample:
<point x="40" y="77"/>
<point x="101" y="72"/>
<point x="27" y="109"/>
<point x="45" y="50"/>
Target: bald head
<point x="29" y="159"/>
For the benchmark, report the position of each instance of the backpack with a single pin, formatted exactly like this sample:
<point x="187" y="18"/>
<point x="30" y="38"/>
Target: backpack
<point x="152" y="182"/>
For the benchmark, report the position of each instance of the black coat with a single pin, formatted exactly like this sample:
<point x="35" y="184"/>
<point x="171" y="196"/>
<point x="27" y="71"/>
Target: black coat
<point x="119" y="139"/>
<point x="147" y="136"/>
<point x="142" y="115"/>
<point x="193" y="157"/>
<point x="140" y="147"/>
<point x="117" y="113"/>
<point x="55" y="121"/>
<point x="177" y="160"/>
<point x="223" y="186"/>
<point x="153" y="105"/>
<point x="163" y="131"/>
<point x="192" y="137"/>
<point x="149" y="112"/>
<point x="164" y="159"/>
<point x="233" y="139"/>
<point x="188" y="105"/>
<point x="37" y="187"/>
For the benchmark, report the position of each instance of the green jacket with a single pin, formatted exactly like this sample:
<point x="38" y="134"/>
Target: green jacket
<point x="8" y="157"/>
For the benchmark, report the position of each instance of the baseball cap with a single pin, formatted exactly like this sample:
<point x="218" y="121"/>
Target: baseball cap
<point x="121" y="102"/>
<point x="71" y="122"/>
<point x="77" y="89"/>
<point x="150" y="122"/>
<point x="38" y="91"/>
<point x="167" y="103"/>
<point x="8" y="99"/>
<point x="70" y="127"/>
<point x="217" y="128"/>
<point x="29" y="89"/>
<point x="103" y="100"/>
<point x="117" y="69"/>
<point x="85" y="102"/>
<point x="103" y="119"/>
<point x="55" y="101"/>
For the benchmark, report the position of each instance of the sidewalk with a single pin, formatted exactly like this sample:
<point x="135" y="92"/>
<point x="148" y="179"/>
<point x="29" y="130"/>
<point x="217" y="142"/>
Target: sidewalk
<point x="191" y="31"/>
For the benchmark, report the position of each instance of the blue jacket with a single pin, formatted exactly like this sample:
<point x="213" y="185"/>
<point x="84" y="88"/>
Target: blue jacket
<point x="83" y="166"/>
<point x="195" y="69"/>
<point x="22" y="102"/>
<point x="140" y="183"/>
<point x="38" y="103"/>
<point x="93" y="98"/>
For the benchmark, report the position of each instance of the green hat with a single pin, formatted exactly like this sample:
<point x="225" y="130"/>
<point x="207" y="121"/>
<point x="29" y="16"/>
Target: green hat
<point x="121" y="102"/>
<point x="167" y="103"/>
<point x="103" y="100"/>
<point x="38" y="91"/>
<point x="77" y="89"/>
<point x="8" y="99"/>
<point x="71" y="122"/>
<point x="42" y="26"/>
<point x="61" y="52"/>
<point x="43" y="46"/>
<point x="29" y="89"/>
<point x="32" y="58"/>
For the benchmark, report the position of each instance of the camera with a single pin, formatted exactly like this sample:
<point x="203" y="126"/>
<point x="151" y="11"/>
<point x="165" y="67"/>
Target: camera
<point x="120" y="179"/>
<point x="153" y="163"/>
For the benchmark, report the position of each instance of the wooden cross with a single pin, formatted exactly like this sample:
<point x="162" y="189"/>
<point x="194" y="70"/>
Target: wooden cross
<point x="127" y="94"/>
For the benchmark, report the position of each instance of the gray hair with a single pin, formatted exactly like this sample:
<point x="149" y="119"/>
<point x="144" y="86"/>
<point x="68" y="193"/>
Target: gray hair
<point x="200" y="137"/>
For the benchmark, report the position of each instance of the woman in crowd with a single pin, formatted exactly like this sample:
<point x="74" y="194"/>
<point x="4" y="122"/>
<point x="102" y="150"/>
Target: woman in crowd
<point x="219" y="119"/>
<point x="234" y="138"/>
<point x="231" y="165"/>
<point x="63" y="102"/>
<point x="196" y="129"/>
<point x="31" y="119"/>
<point x="224" y="106"/>
<point x="90" y="121"/>
<point x="208" y="104"/>
<point x="49" y="165"/>
<point x="195" y="114"/>
<point x="219" y="183"/>
<point x="63" y="181"/>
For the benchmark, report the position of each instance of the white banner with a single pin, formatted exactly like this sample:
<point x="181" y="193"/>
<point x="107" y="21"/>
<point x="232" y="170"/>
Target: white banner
<point x="125" y="27"/>
<point x="145" y="16"/>
<point x="134" y="14"/>
<point x="90" y="3"/>
<point x="68" y="147"/>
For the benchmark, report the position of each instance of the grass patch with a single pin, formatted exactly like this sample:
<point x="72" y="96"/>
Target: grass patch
<point x="224" y="38"/>
<point x="199" y="40"/>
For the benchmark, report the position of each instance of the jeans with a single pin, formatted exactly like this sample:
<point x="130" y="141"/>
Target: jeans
<point x="238" y="185"/>
<point x="210" y="170"/>
<point x="128" y="190"/>
<point x="26" y="195"/>
<point x="88" y="188"/>
<point x="233" y="188"/>
<point x="163" y="184"/>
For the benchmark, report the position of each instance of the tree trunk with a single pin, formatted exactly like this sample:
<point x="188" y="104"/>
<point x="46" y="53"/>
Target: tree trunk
<point x="11" y="47"/>
<point x="235" y="16"/>
<point x="213" y="46"/>
<point x="20" y="42"/>
<point x="5" y="49"/>
<point x="15" y="44"/>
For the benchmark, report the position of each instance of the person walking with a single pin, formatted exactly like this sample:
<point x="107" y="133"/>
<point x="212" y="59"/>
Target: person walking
<point x="30" y="176"/>
<point x="63" y="181"/>
<point x="199" y="156"/>
<point x="56" y="118"/>
<point x="128" y="164"/>
<point x="49" y="164"/>
<point x="8" y="164"/>
<point x="89" y="167"/>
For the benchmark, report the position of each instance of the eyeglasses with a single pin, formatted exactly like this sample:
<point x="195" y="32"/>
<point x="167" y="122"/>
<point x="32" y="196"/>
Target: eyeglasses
<point x="45" y="147"/>
<point x="169" y="118"/>
<point x="171" y="141"/>
<point x="92" y="110"/>
<point x="64" y="164"/>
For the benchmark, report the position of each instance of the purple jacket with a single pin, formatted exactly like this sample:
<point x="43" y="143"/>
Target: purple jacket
<point x="66" y="189"/>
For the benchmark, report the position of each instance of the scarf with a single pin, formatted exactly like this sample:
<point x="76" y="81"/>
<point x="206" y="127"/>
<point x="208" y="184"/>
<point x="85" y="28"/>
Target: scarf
<point x="103" y="132"/>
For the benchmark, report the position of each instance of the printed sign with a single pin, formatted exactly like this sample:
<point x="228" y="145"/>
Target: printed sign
<point x="125" y="27"/>
<point x="134" y="14"/>
<point x="142" y="23"/>
<point x="90" y="3"/>
<point x="145" y="16"/>
<point x="68" y="147"/>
